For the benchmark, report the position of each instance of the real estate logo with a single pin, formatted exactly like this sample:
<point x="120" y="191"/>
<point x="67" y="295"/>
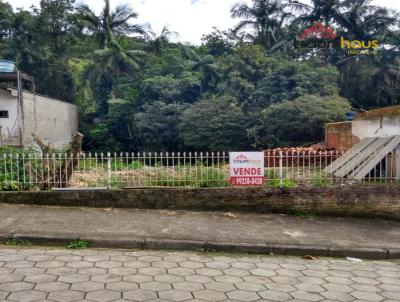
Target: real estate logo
<point x="323" y="37"/>
<point x="241" y="159"/>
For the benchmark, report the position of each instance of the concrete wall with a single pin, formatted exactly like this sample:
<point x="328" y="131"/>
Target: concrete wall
<point x="360" y="201"/>
<point x="52" y="120"/>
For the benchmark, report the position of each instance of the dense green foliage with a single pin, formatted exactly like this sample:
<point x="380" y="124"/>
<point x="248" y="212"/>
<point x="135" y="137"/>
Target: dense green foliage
<point x="247" y="87"/>
<point x="214" y="124"/>
<point x="307" y="115"/>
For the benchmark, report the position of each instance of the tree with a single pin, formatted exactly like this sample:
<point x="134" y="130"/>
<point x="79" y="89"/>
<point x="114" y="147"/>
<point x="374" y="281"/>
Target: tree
<point x="205" y="65"/>
<point x="157" y="44"/>
<point x="109" y="23"/>
<point x="214" y="125"/>
<point x="39" y="41"/>
<point x="112" y="60"/>
<point x="290" y="79"/>
<point x="117" y="61"/>
<point x="363" y="20"/>
<point x="56" y="25"/>
<point x="181" y="89"/>
<point x="17" y="41"/>
<point x="57" y="30"/>
<point x="6" y="19"/>
<point x="218" y="42"/>
<point x="157" y="126"/>
<point x="360" y="18"/>
<point x="379" y="75"/>
<point x="298" y="122"/>
<point x="320" y="10"/>
<point x="265" y="17"/>
<point x="110" y="64"/>
<point x="241" y="70"/>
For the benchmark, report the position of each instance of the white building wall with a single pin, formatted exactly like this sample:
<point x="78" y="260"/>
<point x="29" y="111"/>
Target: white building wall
<point x="10" y="125"/>
<point x="385" y="127"/>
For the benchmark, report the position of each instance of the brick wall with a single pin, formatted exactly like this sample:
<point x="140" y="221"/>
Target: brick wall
<point x="358" y="201"/>
<point x="338" y="136"/>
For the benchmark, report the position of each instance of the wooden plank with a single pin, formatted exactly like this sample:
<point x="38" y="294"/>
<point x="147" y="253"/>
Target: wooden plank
<point x="375" y="158"/>
<point x="357" y="160"/>
<point x="349" y="155"/>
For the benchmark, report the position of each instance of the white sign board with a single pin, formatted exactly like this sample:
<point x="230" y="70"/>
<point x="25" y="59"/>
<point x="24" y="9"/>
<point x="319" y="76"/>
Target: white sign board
<point x="246" y="168"/>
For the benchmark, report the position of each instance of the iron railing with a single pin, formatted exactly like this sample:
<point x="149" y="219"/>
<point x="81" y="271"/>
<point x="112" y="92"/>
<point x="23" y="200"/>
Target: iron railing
<point x="30" y="171"/>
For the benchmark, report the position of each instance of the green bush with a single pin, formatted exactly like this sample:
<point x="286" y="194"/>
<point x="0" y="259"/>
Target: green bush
<point x="8" y="182"/>
<point x="320" y="182"/>
<point x="276" y="183"/>
<point x="272" y="180"/>
<point x="12" y="171"/>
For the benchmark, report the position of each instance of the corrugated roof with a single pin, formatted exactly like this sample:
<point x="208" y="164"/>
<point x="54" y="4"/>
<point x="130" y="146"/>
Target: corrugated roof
<point x="7" y="66"/>
<point x="360" y="160"/>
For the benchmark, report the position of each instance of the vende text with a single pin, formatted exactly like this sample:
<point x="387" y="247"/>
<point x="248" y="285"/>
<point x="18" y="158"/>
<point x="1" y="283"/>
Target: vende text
<point x="247" y="171"/>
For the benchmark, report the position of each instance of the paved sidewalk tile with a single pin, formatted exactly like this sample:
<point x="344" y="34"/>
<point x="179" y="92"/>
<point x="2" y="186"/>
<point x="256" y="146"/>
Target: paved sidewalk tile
<point x="101" y="275"/>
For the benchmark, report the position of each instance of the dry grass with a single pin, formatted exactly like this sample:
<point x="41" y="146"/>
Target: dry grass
<point x="153" y="176"/>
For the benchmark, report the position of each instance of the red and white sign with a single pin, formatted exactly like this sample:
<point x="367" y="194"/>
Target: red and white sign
<point x="246" y="168"/>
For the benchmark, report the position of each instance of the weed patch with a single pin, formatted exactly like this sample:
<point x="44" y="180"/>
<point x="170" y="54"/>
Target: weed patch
<point x="78" y="244"/>
<point x="17" y="242"/>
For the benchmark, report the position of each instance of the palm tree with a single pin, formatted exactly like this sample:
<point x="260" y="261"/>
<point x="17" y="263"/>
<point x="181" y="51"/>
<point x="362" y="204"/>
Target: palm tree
<point x="109" y="65"/>
<point x="363" y="20"/>
<point x="264" y="17"/>
<point x="158" y="43"/>
<point x="205" y="65"/>
<point x="114" y="61"/>
<point x="111" y="61"/>
<point x="383" y="78"/>
<point x="358" y="17"/>
<point x="319" y="10"/>
<point x="109" y="23"/>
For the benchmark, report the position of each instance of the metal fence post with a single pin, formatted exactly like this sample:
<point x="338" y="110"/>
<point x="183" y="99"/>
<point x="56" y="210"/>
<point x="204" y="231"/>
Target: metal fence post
<point x="280" y="169"/>
<point x="109" y="170"/>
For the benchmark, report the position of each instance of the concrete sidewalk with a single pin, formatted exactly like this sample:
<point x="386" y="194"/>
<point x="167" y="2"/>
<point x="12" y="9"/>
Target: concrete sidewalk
<point x="263" y="233"/>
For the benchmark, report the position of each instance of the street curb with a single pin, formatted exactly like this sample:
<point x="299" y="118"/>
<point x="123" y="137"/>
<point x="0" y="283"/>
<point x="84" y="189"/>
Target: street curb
<point x="211" y="246"/>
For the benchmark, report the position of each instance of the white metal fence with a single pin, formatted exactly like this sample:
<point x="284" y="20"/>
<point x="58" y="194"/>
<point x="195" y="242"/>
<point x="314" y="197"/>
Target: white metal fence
<point x="30" y="171"/>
